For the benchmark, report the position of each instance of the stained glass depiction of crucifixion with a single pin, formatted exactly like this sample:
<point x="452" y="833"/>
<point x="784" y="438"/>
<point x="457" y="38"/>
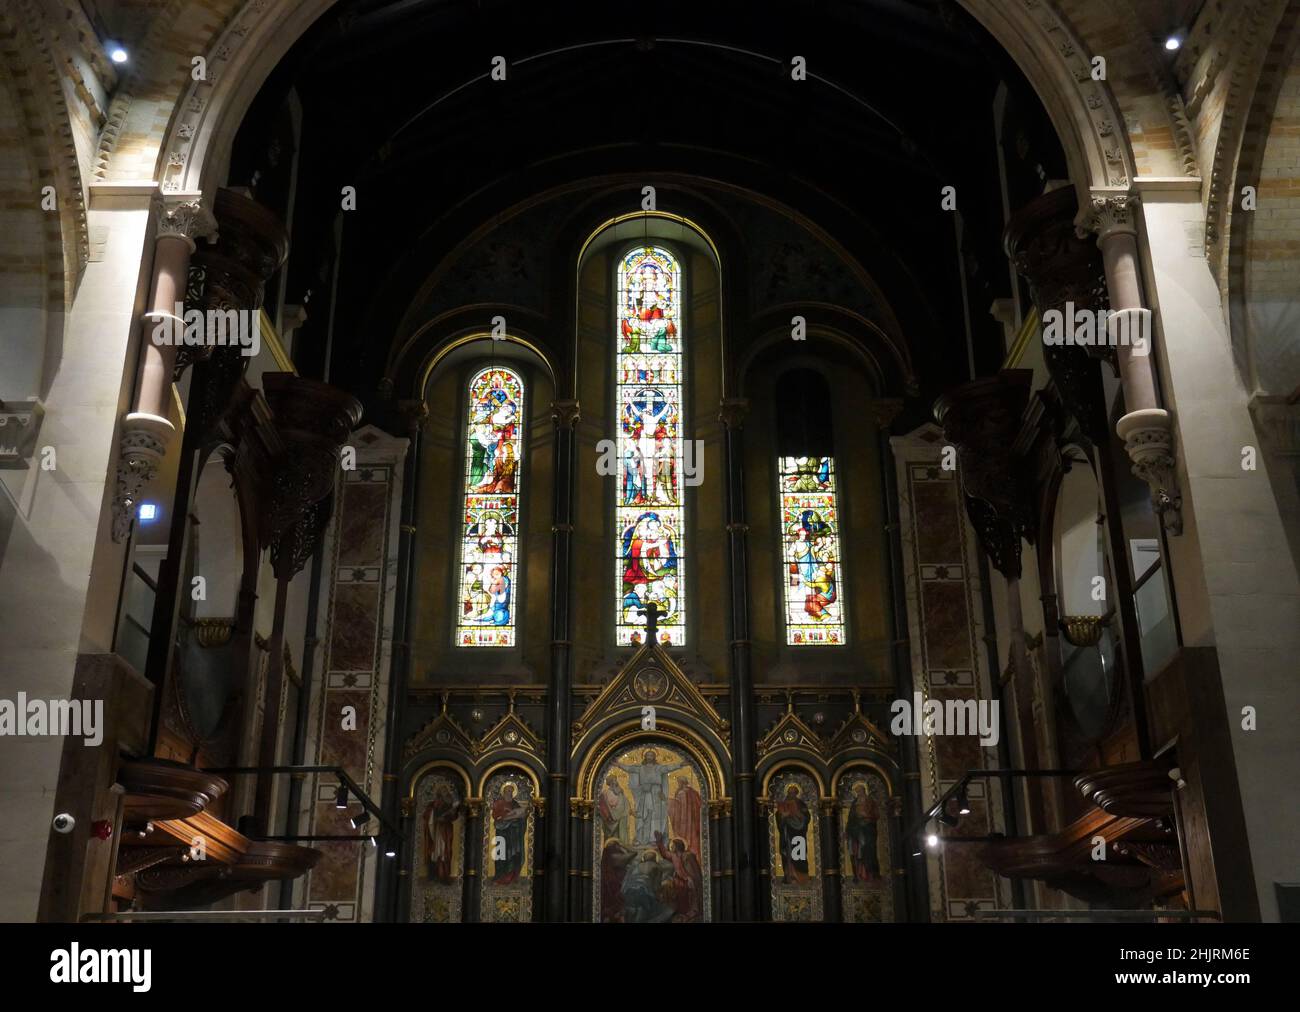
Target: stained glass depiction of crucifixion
<point x="649" y="551"/>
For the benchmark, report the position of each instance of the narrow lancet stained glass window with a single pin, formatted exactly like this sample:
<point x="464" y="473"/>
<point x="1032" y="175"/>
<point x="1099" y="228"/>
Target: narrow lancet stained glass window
<point x="810" y="524"/>
<point x="648" y="522"/>
<point x="490" y="540"/>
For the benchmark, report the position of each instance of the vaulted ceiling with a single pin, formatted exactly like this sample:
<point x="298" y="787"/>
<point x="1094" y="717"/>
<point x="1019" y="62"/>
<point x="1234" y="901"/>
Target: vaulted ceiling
<point x="397" y="101"/>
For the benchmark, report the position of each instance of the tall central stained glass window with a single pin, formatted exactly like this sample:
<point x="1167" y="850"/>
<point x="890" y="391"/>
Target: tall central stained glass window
<point x="490" y="529"/>
<point x="648" y="522"/>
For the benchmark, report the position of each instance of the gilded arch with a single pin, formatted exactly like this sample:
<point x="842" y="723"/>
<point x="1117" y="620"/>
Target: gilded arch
<point x="620" y="738"/>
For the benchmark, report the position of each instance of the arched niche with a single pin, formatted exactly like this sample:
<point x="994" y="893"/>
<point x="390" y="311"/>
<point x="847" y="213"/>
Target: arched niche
<point x="651" y="845"/>
<point x="1089" y="656"/>
<point x="440" y="794"/>
<point x="510" y="794"/>
<point x="796" y="872"/>
<point x="862" y="796"/>
<point x="217" y="540"/>
<point x="212" y="651"/>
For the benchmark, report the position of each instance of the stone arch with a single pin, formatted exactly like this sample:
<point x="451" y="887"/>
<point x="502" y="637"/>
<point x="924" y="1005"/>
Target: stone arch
<point x="1259" y="266"/>
<point x="1057" y="64"/>
<point x="40" y="267"/>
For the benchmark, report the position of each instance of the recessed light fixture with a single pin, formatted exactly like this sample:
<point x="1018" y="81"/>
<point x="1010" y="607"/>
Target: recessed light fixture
<point x="117" y="54"/>
<point x="1173" y="42"/>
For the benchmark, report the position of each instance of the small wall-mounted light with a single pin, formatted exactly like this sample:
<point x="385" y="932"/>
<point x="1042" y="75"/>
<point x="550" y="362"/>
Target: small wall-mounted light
<point x="1173" y="42"/>
<point x="148" y="512"/>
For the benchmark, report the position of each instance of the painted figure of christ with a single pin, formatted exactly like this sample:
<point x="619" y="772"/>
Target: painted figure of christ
<point x="649" y="782"/>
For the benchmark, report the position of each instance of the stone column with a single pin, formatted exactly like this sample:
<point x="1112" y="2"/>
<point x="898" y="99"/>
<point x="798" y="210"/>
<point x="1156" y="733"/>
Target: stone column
<point x="146" y="431"/>
<point x="828" y="823"/>
<point x="473" y="859"/>
<point x="724" y="878"/>
<point x="732" y="415"/>
<point x="565" y="415"/>
<point x="1146" y="428"/>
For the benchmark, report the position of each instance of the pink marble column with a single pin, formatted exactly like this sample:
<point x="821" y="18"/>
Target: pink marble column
<point x="146" y="432"/>
<point x="1146" y="428"/>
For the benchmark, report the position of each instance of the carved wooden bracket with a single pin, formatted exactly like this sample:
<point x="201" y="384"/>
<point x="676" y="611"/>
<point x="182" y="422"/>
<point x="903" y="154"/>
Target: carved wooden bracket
<point x="1065" y="274"/>
<point x="982" y="419"/>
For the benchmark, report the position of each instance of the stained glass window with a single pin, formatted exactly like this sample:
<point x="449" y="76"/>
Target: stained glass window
<point x="649" y="557"/>
<point x="490" y="537"/>
<point x="810" y="526"/>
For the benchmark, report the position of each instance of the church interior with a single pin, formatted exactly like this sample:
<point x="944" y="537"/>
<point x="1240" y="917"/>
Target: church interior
<point x="474" y="461"/>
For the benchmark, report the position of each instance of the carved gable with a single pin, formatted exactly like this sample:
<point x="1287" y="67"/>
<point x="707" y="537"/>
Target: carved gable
<point x="650" y="678"/>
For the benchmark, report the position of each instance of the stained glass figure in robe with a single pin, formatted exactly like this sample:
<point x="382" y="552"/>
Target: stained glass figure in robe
<point x="814" y="597"/>
<point x="493" y="453"/>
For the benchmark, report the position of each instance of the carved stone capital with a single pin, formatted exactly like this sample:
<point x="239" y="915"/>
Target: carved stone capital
<point x="141" y="449"/>
<point x="186" y="219"/>
<point x="1148" y="439"/>
<point x="565" y="413"/>
<point x="415" y="413"/>
<point x="732" y="411"/>
<point x="1111" y="214"/>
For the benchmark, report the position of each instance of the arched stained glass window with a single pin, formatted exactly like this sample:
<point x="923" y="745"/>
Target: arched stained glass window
<point x="490" y="542"/>
<point x="810" y="513"/>
<point x="648" y="522"/>
<point x="810" y="519"/>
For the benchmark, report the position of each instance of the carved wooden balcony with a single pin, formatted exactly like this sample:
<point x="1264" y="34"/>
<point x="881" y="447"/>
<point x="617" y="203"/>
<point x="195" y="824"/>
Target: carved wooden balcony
<point x="1133" y="813"/>
<point x="199" y="859"/>
<point x="159" y="789"/>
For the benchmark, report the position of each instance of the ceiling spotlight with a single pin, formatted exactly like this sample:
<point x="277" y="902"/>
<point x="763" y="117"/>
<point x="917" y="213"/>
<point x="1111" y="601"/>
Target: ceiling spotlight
<point x="1173" y="42"/>
<point x="374" y="841"/>
<point x="341" y="797"/>
<point x="390" y="851"/>
<point x="360" y="819"/>
<point x="117" y="54"/>
<point x="946" y="817"/>
<point x="963" y="803"/>
<point x="932" y="841"/>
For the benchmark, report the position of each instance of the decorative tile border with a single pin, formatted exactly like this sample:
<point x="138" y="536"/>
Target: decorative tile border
<point x="355" y="638"/>
<point x="946" y="623"/>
